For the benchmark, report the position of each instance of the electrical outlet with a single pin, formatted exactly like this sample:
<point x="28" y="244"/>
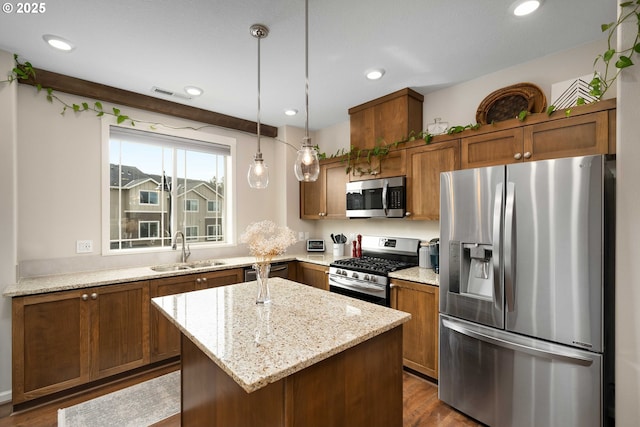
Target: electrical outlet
<point x="84" y="246"/>
<point x="300" y="236"/>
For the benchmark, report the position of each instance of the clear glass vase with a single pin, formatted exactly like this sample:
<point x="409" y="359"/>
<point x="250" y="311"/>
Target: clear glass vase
<point x="262" y="278"/>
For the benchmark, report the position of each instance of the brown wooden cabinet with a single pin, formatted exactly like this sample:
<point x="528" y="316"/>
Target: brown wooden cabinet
<point x="420" y="334"/>
<point x="65" y="339"/>
<point x="315" y="275"/>
<point x="424" y="164"/>
<point x="587" y="132"/>
<point x="325" y="198"/>
<point x="164" y="336"/>
<point x="387" y="119"/>
<point x="393" y="164"/>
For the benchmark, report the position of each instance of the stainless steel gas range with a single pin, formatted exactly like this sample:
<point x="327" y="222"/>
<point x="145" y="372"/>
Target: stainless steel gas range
<point x="367" y="277"/>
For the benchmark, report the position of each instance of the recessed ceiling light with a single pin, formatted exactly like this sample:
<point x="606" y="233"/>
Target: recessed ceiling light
<point x="522" y="8"/>
<point x="58" y="43"/>
<point x="291" y="112"/>
<point x="375" y="74"/>
<point x="193" y="91"/>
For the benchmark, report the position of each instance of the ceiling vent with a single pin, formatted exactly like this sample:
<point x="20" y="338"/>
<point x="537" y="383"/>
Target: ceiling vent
<point x="169" y="93"/>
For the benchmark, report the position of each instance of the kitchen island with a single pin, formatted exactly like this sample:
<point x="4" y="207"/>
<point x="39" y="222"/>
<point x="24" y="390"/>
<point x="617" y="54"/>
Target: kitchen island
<point x="308" y="358"/>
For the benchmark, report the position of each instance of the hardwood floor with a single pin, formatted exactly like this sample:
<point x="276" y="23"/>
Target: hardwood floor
<point x="421" y="405"/>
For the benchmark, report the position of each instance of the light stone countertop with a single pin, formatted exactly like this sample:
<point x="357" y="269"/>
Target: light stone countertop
<point x="260" y="344"/>
<point x="65" y="282"/>
<point x="417" y="274"/>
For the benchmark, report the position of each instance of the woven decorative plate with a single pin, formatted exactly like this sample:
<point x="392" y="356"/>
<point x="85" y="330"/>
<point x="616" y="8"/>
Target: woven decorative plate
<point x="508" y="102"/>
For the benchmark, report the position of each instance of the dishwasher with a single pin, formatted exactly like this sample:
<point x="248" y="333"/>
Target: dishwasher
<point x="278" y="269"/>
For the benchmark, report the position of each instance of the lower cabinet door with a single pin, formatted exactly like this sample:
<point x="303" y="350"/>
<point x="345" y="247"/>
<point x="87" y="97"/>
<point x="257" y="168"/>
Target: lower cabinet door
<point x="50" y="343"/>
<point x="119" y="328"/>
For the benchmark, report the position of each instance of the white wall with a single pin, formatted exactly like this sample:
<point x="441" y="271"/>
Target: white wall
<point x="8" y="258"/>
<point x="59" y="172"/>
<point x="628" y="242"/>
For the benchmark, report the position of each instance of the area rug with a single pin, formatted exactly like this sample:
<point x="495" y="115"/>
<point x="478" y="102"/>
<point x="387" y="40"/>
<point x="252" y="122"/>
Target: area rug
<point x="137" y="406"/>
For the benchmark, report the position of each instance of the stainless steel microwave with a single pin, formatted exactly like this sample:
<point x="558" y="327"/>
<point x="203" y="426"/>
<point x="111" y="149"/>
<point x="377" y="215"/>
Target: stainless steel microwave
<point x="377" y="198"/>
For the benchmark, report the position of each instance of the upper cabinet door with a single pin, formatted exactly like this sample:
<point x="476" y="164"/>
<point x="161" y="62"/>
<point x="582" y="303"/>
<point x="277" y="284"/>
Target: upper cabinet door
<point x="493" y="148"/>
<point x="583" y="135"/>
<point x="424" y="164"/>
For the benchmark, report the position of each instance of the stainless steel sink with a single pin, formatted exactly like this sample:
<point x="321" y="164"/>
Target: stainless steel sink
<point x="173" y="267"/>
<point x="203" y="264"/>
<point x="180" y="267"/>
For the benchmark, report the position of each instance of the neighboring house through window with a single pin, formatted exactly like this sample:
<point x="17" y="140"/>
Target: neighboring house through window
<point x="157" y="183"/>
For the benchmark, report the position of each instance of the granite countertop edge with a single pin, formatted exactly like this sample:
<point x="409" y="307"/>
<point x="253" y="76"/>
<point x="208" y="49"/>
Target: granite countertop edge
<point x="80" y="280"/>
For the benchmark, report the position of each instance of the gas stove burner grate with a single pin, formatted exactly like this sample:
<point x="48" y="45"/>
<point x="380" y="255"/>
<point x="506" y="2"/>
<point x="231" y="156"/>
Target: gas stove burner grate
<point x="372" y="264"/>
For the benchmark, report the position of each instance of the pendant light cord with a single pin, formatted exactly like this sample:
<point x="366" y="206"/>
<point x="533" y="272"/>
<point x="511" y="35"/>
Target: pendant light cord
<point x="306" y="72"/>
<point x="258" y="153"/>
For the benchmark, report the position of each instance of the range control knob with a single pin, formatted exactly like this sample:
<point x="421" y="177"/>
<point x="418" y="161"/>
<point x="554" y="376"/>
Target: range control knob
<point x="366" y="277"/>
<point x="374" y="279"/>
<point x="355" y="275"/>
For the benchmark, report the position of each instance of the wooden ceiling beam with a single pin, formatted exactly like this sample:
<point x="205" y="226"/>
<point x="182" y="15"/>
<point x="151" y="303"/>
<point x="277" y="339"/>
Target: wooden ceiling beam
<point x="100" y="92"/>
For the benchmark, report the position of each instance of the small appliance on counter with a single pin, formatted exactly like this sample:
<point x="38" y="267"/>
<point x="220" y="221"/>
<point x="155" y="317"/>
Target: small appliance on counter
<point x="434" y="254"/>
<point x="315" y="245"/>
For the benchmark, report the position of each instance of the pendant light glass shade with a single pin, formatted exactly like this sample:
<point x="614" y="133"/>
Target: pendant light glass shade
<point x="258" y="175"/>
<point x="307" y="166"/>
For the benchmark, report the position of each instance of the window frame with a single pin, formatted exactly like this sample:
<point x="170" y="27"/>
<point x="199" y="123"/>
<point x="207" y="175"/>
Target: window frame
<point x="228" y="211"/>
<point x="148" y="192"/>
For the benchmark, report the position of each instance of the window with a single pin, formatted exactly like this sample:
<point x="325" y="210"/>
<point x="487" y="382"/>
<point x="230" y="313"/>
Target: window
<point x="213" y="206"/>
<point x="191" y="233"/>
<point x="191" y="205"/>
<point x="148" y="197"/>
<point x="148" y="229"/>
<point x="156" y="182"/>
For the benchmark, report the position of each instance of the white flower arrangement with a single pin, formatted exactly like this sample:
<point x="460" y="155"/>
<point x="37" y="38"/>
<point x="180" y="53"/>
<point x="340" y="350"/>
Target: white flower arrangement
<point x="266" y="240"/>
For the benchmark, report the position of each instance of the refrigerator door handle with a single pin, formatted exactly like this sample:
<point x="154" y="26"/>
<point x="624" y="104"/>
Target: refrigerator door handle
<point x="510" y="246"/>
<point x="497" y="247"/>
<point x="565" y="355"/>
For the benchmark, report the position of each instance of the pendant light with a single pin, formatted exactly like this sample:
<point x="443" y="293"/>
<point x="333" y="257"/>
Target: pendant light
<point x="307" y="166"/>
<point x="258" y="175"/>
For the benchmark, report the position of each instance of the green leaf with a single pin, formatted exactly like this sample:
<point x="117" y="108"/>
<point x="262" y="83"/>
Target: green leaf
<point x="626" y="3"/>
<point x="523" y="115"/>
<point x="85" y="106"/>
<point x="98" y="105"/>
<point x="567" y="112"/>
<point x="551" y="109"/>
<point x="116" y="112"/>
<point x="76" y="107"/>
<point x="100" y="114"/>
<point x="636" y="48"/>
<point x="608" y="55"/>
<point x="580" y="101"/>
<point x="38" y="87"/>
<point x="122" y="118"/>
<point x="623" y="62"/>
<point x="49" y="98"/>
<point x="605" y="27"/>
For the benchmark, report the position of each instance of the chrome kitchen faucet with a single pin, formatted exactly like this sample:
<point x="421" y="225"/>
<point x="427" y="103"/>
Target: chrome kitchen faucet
<point x="185" y="254"/>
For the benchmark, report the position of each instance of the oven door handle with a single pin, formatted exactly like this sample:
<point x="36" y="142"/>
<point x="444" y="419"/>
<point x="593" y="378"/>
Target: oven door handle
<point x="356" y="285"/>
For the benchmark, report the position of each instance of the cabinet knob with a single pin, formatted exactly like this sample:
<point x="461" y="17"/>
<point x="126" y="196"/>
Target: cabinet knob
<point x="204" y="279"/>
<point x="527" y="155"/>
<point x="85" y="297"/>
<point x="94" y="296"/>
<point x="407" y="214"/>
<point x="198" y="280"/>
<point x="517" y="156"/>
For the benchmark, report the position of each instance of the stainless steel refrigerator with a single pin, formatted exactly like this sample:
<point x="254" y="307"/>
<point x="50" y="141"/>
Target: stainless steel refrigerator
<point x="526" y="292"/>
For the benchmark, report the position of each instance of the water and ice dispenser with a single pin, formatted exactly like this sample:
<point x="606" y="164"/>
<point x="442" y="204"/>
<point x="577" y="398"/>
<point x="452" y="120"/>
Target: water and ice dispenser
<point x="471" y="269"/>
